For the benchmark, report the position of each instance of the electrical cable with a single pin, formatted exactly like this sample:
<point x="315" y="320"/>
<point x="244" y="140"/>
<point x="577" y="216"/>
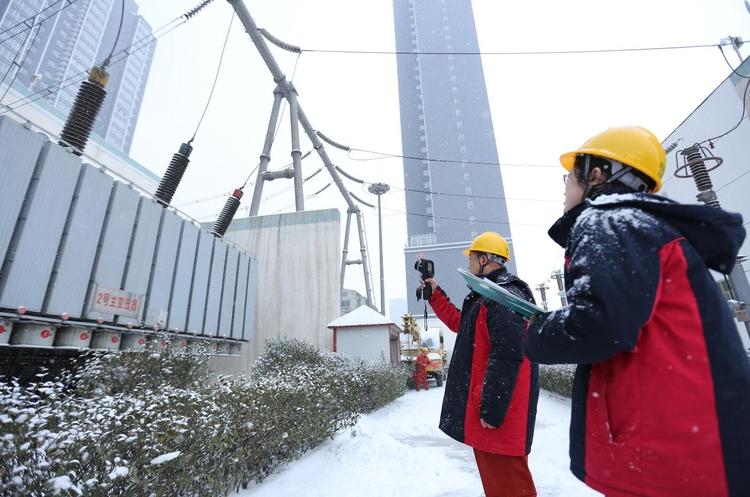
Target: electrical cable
<point x="117" y="36"/>
<point x="530" y="52"/>
<point x="216" y="78"/>
<point x="467" y="195"/>
<point x="732" y="181"/>
<point x="482" y="221"/>
<point x="385" y="155"/>
<point x="721" y="49"/>
<point x="35" y="23"/>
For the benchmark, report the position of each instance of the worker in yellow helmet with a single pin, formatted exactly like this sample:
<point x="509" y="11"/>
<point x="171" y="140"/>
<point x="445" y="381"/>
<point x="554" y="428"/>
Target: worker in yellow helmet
<point x="492" y="390"/>
<point x="660" y="396"/>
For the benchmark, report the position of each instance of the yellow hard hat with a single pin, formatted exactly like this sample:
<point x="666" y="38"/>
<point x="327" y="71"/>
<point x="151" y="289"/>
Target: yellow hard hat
<point x="424" y="349"/>
<point x="631" y="145"/>
<point x="491" y="243"/>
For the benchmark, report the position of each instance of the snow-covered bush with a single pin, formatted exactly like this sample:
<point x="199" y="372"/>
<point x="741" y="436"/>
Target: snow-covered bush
<point x="557" y="378"/>
<point x="153" y="423"/>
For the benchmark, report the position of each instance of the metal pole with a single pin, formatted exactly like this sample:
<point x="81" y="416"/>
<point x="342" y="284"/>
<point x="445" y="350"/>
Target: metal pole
<point x="265" y="157"/>
<point x="346" y="248"/>
<point x="380" y="249"/>
<point x="252" y="30"/>
<point x="542" y="287"/>
<point x="379" y="189"/>
<point x="558" y="275"/>
<point x="299" y="199"/>
<point x="363" y="250"/>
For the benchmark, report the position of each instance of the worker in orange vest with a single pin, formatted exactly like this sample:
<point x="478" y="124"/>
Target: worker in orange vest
<point x="420" y="374"/>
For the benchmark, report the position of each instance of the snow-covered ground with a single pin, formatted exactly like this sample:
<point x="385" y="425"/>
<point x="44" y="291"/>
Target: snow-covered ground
<point x="398" y="450"/>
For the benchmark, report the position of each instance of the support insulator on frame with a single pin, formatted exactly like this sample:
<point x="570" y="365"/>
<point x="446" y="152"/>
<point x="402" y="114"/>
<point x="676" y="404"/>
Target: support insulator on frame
<point x="694" y="165"/>
<point x="227" y="214"/>
<point x="173" y="176"/>
<point x="85" y="109"/>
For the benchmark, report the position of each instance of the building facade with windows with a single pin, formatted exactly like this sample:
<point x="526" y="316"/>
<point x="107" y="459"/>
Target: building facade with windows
<point x="60" y="41"/>
<point x="454" y="189"/>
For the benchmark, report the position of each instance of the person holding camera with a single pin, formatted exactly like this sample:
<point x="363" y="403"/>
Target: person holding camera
<point x="492" y="389"/>
<point x="661" y="394"/>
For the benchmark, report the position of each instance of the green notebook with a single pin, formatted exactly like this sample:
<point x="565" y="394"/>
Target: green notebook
<point x="495" y="292"/>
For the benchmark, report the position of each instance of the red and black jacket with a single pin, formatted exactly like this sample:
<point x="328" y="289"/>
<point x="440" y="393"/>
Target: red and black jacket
<point x="489" y="375"/>
<point x="661" y="396"/>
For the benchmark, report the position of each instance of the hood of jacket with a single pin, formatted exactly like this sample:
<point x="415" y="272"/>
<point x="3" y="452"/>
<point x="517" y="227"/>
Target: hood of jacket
<point x="716" y="234"/>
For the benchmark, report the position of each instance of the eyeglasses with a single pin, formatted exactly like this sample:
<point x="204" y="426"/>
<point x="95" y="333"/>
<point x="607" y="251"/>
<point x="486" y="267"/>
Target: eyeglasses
<point x="566" y="178"/>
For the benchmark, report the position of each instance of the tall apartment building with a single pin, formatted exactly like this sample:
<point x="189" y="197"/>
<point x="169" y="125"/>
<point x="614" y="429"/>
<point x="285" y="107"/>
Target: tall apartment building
<point x="68" y="38"/>
<point x="445" y="115"/>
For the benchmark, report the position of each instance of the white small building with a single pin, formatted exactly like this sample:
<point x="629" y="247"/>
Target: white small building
<point x="366" y="334"/>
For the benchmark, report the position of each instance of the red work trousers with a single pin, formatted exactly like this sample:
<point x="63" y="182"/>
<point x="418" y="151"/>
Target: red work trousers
<point x="420" y="378"/>
<point x="504" y="476"/>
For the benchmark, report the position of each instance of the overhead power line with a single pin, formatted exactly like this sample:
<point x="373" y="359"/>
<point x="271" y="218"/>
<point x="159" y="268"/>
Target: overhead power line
<point x="468" y="195"/>
<point x="385" y="155"/>
<point x="519" y="52"/>
<point x="216" y="78"/>
<point x="463" y="219"/>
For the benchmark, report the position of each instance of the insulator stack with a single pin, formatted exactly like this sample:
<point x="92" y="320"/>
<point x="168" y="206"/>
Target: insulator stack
<point x="227" y="214"/>
<point x="85" y="109"/>
<point x="695" y="161"/>
<point x="173" y="176"/>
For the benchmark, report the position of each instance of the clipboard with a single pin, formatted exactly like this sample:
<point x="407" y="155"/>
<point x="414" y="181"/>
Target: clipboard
<point x="495" y="292"/>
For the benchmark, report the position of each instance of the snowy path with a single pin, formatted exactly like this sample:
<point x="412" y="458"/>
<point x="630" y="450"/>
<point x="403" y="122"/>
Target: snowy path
<point x="398" y="450"/>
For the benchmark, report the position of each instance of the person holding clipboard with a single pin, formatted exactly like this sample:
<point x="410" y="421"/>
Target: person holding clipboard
<point x="661" y="395"/>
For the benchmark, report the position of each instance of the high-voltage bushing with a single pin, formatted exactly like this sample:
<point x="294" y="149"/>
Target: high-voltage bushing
<point x="227" y="214"/>
<point x="85" y="109"/>
<point x="173" y="176"/>
<point x="694" y="165"/>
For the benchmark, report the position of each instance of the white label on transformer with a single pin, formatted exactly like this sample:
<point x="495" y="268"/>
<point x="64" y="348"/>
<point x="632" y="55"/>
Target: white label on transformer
<point x="119" y="302"/>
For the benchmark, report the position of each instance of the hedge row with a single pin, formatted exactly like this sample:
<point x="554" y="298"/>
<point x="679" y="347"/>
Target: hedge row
<point x="155" y="424"/>
<point x="557" y="378"/>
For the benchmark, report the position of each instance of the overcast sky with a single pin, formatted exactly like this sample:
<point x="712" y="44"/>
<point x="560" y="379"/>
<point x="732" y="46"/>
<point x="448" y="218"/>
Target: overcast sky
<point x="541" y="105"/>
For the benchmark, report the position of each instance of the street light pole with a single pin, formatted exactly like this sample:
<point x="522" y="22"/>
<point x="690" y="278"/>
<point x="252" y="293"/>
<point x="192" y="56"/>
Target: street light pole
<point x="379" y="189"/>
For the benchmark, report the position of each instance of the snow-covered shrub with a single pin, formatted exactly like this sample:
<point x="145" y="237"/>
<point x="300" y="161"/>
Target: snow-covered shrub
<point x="557" y="378"/>
<point x="153" y="423"/>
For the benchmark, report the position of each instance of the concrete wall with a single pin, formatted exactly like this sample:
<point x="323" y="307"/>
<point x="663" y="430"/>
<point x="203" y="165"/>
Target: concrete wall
<point x="299" y="257"/>
<point x="369" y="343"/>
